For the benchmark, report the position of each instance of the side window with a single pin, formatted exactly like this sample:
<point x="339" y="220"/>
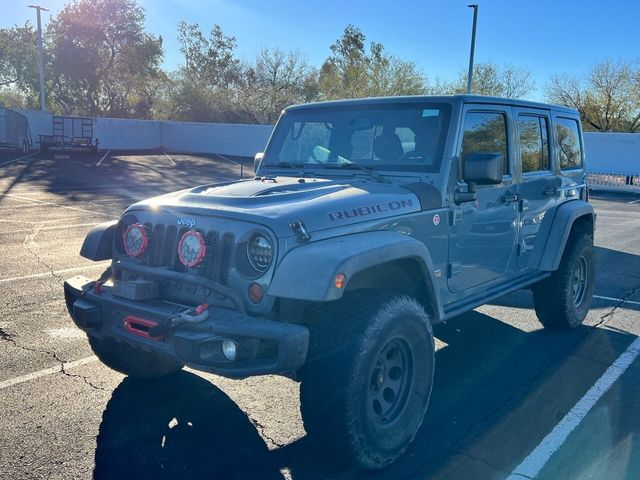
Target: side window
<point x="534" y="143"/>
<point x="568" y="143"/>
<point x="486" y="132"/>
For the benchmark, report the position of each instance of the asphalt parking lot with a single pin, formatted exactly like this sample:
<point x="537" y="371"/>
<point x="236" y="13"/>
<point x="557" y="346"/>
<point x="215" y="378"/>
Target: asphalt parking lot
<point x="502" y="383"/>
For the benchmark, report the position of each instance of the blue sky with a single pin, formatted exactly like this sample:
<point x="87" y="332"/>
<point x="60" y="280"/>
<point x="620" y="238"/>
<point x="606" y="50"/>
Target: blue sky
<point x="544" y="36"/>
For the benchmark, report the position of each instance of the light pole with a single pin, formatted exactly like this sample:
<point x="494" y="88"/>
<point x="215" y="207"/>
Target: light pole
<point x="473" y="47"/>
<point x="43" y="103"/>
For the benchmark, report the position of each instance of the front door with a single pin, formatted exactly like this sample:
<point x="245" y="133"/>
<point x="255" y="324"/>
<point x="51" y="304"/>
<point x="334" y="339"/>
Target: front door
<point x="483" y="233"/>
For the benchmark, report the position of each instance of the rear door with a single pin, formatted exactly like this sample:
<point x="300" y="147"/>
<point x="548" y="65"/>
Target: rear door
<point x="483" y="233"/>
<point x="540" y="184"/>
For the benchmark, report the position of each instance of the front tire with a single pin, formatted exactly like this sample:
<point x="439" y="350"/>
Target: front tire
<point x="368" y="378"/>
<point x="131" y="361"/>
<point x="562" y="301"/>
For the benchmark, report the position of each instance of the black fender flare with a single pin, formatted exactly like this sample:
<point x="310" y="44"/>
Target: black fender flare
<point x="555" y="229"/>
<point x="98" y="243"/>
<point x="308" y="272"/>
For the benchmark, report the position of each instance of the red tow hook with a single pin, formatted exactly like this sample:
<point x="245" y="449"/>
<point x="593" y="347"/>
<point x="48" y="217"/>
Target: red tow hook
<point x="201" y="308"/>
<point x="141" y="327"/>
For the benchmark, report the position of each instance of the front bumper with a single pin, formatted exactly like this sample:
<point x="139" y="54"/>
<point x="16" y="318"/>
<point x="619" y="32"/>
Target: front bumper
<point x="263" y="346"/>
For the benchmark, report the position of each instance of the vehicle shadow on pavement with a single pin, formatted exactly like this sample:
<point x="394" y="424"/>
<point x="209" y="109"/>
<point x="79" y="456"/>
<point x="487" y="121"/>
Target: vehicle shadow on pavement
<point x="493" y="383"/>
<point x="179" y="427"/>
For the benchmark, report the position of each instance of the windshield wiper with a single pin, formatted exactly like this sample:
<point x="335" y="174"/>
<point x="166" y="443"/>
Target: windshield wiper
<point x="355" y="166"/>
<point x="294" y="166"/>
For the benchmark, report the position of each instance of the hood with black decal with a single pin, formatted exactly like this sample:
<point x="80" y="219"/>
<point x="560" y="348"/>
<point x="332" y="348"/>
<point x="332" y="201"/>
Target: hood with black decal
<point x="319" y="203"/>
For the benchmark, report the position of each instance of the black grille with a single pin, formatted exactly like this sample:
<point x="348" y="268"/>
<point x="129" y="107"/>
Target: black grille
<point x="163" y="252"/>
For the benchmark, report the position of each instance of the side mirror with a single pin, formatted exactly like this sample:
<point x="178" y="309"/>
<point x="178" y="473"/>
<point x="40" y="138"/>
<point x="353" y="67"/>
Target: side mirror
<point x="479" y="169"/>
<point x="256" y="161"/>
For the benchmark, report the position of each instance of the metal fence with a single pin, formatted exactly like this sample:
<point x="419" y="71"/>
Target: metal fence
<point x="614" y="181"/>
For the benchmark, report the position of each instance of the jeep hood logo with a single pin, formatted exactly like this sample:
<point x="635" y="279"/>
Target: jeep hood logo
<point x="370" y="210"/>
<point x="189" y="222"/>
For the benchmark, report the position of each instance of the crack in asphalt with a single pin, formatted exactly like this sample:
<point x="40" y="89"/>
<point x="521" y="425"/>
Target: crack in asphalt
<point x="29" y="241"/>
<point x="261" y="429"/>
<point x="460" y="441"/>
<point x="10" y="337"/>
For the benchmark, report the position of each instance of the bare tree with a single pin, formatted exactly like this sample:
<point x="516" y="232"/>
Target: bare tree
<point x="276" y="79"/>
<point x="607" y="96"/>
<point x="492" y="79"/>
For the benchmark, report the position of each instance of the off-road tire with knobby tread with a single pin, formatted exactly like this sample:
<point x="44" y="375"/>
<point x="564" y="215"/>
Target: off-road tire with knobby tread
<point x="343" y="371"/>
<point x="133" y="362"/>
<point x="553" y="297"/>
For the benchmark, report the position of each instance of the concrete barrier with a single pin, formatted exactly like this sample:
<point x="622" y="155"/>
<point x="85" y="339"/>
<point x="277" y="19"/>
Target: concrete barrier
<point x="189" y="137"/>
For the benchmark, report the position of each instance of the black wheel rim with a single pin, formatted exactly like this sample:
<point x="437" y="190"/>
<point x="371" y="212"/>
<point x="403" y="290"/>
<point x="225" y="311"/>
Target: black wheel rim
<point x="390" y="382"/>
<point x="579" y="284"/>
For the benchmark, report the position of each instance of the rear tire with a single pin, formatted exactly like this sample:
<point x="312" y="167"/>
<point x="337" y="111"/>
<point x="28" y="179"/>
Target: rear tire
<point x="368" y="378"/>
<point x="131" y="361"/>
<point x="562" y="301"/>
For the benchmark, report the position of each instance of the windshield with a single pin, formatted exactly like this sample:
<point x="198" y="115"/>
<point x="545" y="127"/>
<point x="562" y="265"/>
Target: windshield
<point x="407" y="136"/>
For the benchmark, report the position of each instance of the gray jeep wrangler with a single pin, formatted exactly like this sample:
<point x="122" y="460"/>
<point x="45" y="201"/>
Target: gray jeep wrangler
<point x="368" y="221"/>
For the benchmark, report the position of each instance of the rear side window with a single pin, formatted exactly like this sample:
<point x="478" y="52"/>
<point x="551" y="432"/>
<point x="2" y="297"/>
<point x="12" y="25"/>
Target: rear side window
<point x="534" y="143"/>
<point x="568" y="143"/>
<point x="486" y="132"/>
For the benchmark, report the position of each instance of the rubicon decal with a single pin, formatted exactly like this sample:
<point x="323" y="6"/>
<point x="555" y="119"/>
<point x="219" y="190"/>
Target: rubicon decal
<point x="370" y="210"/>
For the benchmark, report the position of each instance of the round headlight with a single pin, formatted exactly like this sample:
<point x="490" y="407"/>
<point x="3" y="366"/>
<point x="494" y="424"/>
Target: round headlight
<point x="191" y="249"/>
<point x="135" y="240"/>
<point x="259" y="252"/>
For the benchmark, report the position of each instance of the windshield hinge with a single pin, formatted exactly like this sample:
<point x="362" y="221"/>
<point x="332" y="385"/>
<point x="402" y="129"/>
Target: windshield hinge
<point x="300" y="230"/>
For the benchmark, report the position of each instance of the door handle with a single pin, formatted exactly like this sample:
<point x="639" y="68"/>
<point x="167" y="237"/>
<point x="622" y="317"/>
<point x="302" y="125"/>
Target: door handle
<point x="511" y="197"/>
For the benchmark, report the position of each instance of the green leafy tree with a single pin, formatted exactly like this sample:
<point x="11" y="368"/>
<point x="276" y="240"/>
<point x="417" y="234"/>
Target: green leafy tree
<point x="103" y="61"/>
<point x="354" y="71"/>
<point x="19" y="66"/>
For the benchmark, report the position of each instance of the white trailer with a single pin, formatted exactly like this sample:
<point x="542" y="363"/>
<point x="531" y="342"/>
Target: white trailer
<point x="14" y="130"/>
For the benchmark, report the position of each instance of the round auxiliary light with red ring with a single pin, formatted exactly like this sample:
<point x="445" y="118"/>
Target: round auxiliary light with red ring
<point x="135" y="240"/>
<point x="191" y="249"/>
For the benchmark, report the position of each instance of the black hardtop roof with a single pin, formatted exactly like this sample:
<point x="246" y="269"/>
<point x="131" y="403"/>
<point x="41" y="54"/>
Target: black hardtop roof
<point x="435" y="99"/>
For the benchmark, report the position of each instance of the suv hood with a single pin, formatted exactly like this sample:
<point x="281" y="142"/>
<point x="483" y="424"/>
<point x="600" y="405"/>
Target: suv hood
<point x="276" y="203"/>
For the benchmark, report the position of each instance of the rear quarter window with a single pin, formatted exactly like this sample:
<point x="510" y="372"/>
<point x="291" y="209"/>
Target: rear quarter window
<point x="569" y="148"/>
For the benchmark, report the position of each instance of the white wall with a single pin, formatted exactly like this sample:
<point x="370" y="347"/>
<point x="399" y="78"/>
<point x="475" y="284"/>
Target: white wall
<point x="124" y="134"/>
<point x="39" y="124"/>
<point x="612" y="152"/>
<point x="223" y="138"/>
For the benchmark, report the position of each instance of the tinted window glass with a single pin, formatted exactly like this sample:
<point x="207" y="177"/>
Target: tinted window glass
<point x="485" y="133"/>
<point x="568" y="143"/>
<point x="534" y="144"/>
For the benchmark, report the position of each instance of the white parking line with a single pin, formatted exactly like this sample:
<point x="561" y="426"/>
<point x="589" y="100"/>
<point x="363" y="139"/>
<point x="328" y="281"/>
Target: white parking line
<point x="42" y="202"/>
<point x="619" y="300"/>
<point x="103" y="157"/>
<point x="45" y="372"/>
<point x="173" y="164"/>
<point x="21" y="158"/>
<point x="55" y="272"/>
<point x="537" y="459"/>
